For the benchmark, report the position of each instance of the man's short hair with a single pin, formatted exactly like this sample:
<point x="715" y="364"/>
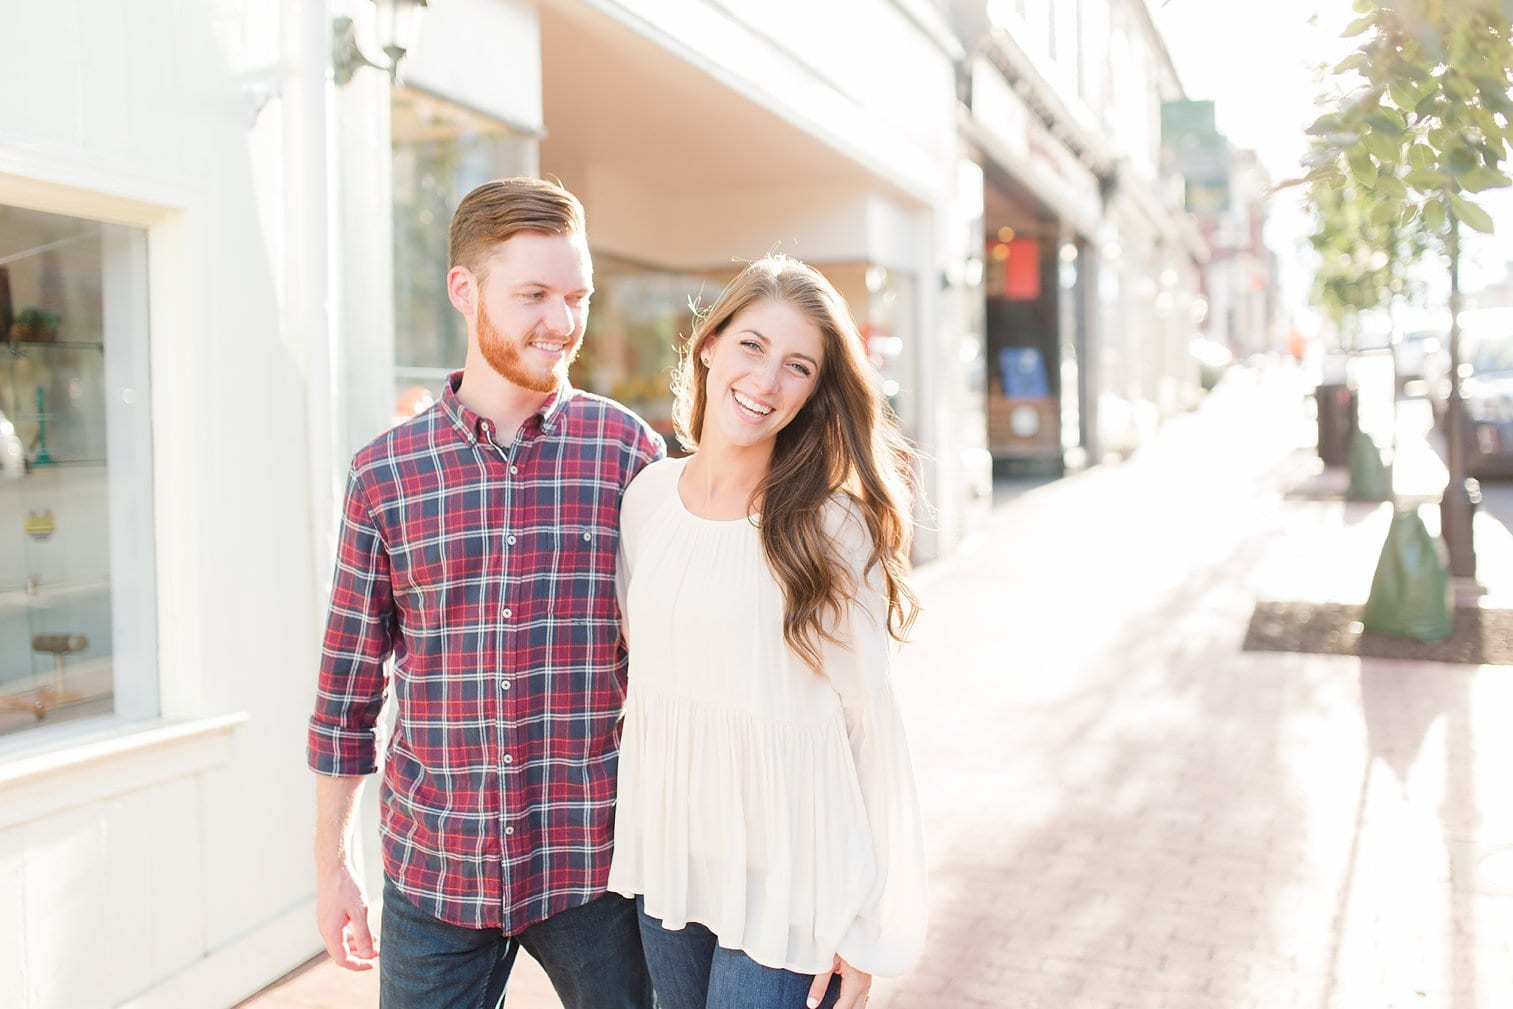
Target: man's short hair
<point x="496" y="211"/>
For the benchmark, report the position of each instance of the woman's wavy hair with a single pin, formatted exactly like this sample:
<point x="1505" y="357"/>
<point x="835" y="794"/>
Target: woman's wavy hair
<point x="845" y="439"/>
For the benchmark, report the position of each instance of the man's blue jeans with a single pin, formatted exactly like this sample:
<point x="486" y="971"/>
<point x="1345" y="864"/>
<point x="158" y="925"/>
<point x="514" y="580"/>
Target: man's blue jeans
<point x="592" y="954"/>
<point x="691" y="970"/>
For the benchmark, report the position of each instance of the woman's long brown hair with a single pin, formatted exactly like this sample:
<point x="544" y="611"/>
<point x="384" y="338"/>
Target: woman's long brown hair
<point x="843" y="440"/>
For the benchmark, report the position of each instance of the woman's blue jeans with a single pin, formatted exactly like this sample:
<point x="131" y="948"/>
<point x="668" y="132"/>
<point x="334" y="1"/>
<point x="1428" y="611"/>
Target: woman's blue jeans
<point x="691" y="970"/>
<point x="592" y="954"/>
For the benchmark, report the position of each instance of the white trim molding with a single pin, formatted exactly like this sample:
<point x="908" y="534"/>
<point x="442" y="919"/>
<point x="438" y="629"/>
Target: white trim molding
<point x="97" y="769"/>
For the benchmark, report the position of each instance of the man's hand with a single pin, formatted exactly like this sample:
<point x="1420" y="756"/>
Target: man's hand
<point x="341" y="907"/>
<point x="341" y="914"/>
<point x="854" y="986"/>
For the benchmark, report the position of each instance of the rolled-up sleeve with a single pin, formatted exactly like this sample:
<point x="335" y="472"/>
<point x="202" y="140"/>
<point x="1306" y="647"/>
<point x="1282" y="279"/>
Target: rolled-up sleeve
<point x="358" y="639"/>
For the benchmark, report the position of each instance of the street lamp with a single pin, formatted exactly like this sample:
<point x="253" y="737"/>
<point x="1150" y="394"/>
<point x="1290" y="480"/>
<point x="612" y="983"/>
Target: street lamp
<point x="394" y="29"/>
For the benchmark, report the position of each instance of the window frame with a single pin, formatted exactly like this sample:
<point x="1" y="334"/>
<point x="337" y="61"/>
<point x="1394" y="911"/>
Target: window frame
<point x="146" y="272"/>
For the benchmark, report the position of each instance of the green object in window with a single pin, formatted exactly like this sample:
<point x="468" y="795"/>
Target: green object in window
<point x="1369" y="477"/>
<point x="1410" y="592"/>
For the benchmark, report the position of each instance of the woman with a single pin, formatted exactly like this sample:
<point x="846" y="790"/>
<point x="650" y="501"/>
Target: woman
<point x="768" y="821"/>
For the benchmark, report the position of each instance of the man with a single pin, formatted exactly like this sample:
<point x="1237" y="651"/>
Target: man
<point x="478" y="551"/>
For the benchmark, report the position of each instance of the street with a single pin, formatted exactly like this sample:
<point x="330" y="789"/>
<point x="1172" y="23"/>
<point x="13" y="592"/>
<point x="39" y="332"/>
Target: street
<point x="1127" y="810"/>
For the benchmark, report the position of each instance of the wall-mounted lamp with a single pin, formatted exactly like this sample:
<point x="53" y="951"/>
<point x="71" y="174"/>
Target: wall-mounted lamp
<point x="395" y="32"/>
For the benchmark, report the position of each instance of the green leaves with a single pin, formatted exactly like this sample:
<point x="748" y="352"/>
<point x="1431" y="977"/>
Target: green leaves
<point x="1363" y="167"/>
<point x="1469" y="213"/>
<point x="1366" y="22"/>
<point x="1389" y="187"/>
<point x="1481" y="178"/>
<point x="1385" y="147"/>
<point x="1434" y="216"/>
<point x="1432" y="121"/>
<point x="1325" y="125"/>
<point x="1355" y="61"/>
<point x="1427" y="180"/>
<point x="1427" y="123"/>
<point x="1404" y="94"/>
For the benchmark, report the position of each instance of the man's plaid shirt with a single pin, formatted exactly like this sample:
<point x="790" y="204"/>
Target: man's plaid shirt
<point x="486" y="569"/>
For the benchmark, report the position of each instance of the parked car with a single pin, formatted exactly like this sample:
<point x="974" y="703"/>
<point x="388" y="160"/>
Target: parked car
<point x="1475" y="325"/>
<point x="1487" y="388"/>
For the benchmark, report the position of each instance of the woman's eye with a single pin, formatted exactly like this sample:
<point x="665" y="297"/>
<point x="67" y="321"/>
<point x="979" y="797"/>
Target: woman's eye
<point x="751" y="345"/>
<point x="802" y="369"/>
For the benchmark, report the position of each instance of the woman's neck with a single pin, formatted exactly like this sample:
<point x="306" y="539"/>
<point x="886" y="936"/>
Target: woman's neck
<point x="719" y="479"/>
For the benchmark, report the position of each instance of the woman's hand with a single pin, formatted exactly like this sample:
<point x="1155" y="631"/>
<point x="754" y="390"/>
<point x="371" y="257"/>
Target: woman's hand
<point x="854" y="986"/>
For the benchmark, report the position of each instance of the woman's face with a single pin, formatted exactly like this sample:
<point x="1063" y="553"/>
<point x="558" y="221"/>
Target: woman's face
<point x="763" y="368"/>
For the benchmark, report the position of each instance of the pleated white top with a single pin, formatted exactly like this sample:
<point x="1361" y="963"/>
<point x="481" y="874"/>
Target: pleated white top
<point x="775" y="806"/>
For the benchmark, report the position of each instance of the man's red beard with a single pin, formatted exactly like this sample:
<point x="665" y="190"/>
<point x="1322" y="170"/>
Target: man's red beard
<point x="505" y="357"/>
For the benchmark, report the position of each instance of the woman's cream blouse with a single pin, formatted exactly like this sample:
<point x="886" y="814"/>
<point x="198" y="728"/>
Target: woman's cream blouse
<point x="773" y="805"/>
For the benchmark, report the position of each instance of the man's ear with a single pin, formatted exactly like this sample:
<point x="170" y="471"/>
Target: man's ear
<point x="461" y="289"/>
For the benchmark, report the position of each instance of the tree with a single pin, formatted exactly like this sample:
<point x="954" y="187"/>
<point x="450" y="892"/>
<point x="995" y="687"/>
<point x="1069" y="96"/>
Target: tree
<point x="1427" y="123"/>
<point x="1363" y="249"/>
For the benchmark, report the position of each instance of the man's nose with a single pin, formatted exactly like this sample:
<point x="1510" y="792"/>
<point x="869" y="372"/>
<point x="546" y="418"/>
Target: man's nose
<point x="560" y="317"/>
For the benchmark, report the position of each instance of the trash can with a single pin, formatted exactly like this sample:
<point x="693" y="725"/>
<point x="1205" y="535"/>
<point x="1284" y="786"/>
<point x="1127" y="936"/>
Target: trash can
<point x="1337" y="422"/>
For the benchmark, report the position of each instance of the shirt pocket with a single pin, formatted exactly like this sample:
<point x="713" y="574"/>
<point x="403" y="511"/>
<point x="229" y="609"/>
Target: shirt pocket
<point x="584" y="556"/>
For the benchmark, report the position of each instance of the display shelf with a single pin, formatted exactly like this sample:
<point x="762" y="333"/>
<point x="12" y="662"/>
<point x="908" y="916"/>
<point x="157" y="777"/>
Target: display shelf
<point x="34" y="468"/>
<point x="47" y="596"/>
<point x="20" y="348"/>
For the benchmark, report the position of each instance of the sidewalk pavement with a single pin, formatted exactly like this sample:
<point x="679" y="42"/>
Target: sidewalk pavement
<point x="1127" y="811"/>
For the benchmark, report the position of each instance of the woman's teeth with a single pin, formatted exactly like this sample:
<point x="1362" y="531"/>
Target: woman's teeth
<point x="751" y="405"/>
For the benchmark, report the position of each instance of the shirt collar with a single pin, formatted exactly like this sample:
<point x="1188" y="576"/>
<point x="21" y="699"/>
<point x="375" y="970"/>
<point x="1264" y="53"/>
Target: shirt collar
<point x="471" y="426"/>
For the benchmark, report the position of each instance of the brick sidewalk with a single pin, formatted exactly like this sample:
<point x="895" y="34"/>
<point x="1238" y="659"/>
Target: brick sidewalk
<point x="1129" y="811"/>
<point x="1126" y="810"/>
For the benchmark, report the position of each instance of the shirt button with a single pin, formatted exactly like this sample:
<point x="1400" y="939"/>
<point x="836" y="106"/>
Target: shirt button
<point x="509" y="830"/>
<point x="510" y="540"/>
<point x="508" y="612"/>
<point x="587" y="536"/>
<point x="508" y="759"/>
<point x="514" y="470"/>
<point x="504" y="684"/>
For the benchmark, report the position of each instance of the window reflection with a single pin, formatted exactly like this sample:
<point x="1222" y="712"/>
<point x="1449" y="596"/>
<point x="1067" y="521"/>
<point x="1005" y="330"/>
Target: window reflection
<point x="72" y="322"/>
<point x="441" y="152"/>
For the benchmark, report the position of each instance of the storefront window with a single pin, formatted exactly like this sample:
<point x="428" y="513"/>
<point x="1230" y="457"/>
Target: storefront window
<point x="641" y="316"/>
<point x="441" y="152"/>
<point x="882" y="303"/>
<point x="76" y="588"/>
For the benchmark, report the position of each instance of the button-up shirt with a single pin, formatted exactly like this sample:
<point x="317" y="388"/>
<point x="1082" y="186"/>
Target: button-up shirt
<point x="483" y="564"/>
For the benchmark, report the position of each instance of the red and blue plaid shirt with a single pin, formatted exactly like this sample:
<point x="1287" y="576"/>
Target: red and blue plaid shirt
<point x="486" y="570"/>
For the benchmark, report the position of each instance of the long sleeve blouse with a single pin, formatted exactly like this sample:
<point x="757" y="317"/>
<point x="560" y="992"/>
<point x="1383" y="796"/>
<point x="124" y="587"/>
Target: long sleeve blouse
<point x="771" y="804"/>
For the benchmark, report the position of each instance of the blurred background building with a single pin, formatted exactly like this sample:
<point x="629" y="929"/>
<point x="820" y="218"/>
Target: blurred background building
<point x="1091" y="280"/>
<point x="221" y="266"/>
<point x="1225" y="191"/>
